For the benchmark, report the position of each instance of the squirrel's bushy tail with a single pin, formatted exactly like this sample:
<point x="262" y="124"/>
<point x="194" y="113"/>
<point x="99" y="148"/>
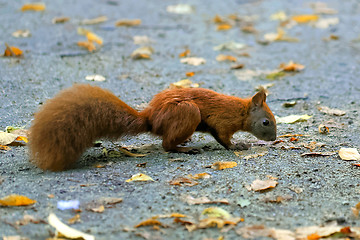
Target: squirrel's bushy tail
<point x="71" y="121"/>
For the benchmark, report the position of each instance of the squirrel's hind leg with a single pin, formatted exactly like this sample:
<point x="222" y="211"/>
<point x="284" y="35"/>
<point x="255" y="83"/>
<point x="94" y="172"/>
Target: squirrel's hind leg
<point x="177" y="123"/>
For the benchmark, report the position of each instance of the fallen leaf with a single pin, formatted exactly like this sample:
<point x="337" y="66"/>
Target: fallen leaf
<point x="254" y="231"/>
<point x="195" y="61"/>
<point x="223" y="27"/>
<point x="292" y="119"/>
<point x="140" y="177"/>
<point x="88" y="45"/>
<point x="275" y="75"/>
<point x="222" y="57"/>
<point x="14" y="238"/>
<point x="92" y="21"/>
<point x="96" y="77"/>
<point x="186" y="53"/>
<point x="172" y="215"/>
<point x="259" y="185"/>
<point x="16" y="200"/>
<point x="190" y="74"/>
<point x="142" y="53"/>
<point x="128" y="22"/>
<point x="249" y="29"/>
<point x="65" y="230"/>
<point x="183" y="181"/>
<point x="349" y="154"/>
<point x="74" y="219"/>
<point x="24" y="33"/>
<point x="289" y="104"/>
<point x="185" y="83"/>
<point x="216" y="212"/>
<point x="280" y="35"/>
<point x="5" y="148"/>
<point x="243" y="202"/>
<point x="331" y="111"/>
<point x="11" y="51"/>
<point x="326" y="22"/>
<point x="200" y="176"/>
<point x="280" y="16"/>
<point x="57" y="20"/>
<point x="204" y="200"/>
<point x="305" y="18"/>
<point x="110" y="200"/>
<point x="317" y="154"/>
<point x="91" y="37"/>
<point x="180" y="9"/>
<point x="7" y="138"/>
<point x="130" y="154"/>
<point x="98" y="209"/>
<point x="29" y="219"/>
<point x="223" y="165"/>
<point x="230" y="46"/>
<point x="33" y="7"/>
<point x="141" y="40"/>
<point x="237" y="66"/>
<point x="291" y="67"/>
<point x="316" y="231"/>
<point x="218" y="20"/>
<point x="149" y="222"/>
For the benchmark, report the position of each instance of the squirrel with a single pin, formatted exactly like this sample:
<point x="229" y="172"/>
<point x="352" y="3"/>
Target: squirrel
<point x="69" y="123"/>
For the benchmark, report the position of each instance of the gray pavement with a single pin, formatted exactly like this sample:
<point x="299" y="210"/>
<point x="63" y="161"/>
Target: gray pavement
<point x="52" y="61"/>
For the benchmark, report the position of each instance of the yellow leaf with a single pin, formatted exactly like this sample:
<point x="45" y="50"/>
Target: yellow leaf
<point x="5" y="148"/>
<point x="21" y="138"/>
<point x="292" y="118"/>
<point x="223" y="165"/>
<point x="12" y="51"/>
<point x="149" y="222"/>
<point x="140" y="177"/>
<point x="200" y="176"/>
<point x="128" y="22"/>
<point x="16" y="200"/>
<point x="88" y="45"/>
<point x="305" y="18"/>
<point x="66" y="231"/>
<point x="190" y="74"/>
<point x="216" y="212"/>
<point x="223" y="27"/>
<point x="291" y="67"/>
<point x="185" y="83"/>
<point x="97" y="20"/>
<point x="92" y="37"/>
<point x="349" y="154"/>
<point x="185" y="53"/>
<point x="74" y="219"/>
<point x="33" y="7"/>
<point x="223" y="57"/>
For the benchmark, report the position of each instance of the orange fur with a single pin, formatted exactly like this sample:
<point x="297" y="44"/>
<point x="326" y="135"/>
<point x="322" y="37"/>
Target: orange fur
<point x="69" y="123"/>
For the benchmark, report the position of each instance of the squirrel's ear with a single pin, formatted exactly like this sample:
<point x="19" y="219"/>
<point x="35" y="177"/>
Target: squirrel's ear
<point x="259" y="98"/>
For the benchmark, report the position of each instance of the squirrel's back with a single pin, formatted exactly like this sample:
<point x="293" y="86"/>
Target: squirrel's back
<point x="71" y="121"/>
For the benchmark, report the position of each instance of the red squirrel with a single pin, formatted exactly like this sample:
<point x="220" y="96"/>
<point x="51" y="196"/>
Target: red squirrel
<point x="71" y="121"/>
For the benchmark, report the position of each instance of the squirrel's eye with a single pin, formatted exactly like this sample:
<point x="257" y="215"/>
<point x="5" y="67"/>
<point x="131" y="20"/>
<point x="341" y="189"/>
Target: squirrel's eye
<point x="266" y="122"/>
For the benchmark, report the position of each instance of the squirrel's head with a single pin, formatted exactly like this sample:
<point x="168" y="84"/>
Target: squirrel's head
<point x="262" y="120"/>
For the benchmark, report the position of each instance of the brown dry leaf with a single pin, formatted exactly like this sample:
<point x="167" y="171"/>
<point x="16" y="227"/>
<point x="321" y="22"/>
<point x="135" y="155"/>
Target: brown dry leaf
<point x="204" y="200"/>
<point x="29" y="219"/>
<point x="323" y="129"/>
<point x="57" y="20"/>
<point x="66" y="231"/>
<point x="74" y="219"/>
<point x="5" y="148"/>
<point x="130" y="154"/>
<point x="237" y="66"/>
<point x="33" y="7"/>
<point x="190" y="74"/>
<point x="276" y="199"/>
<point x="222" y="57"/>
<point x="349" y="154"/>
<point x="186" y="53"/>
<point x="200" y="176"/>
<point x="305" y="18"/>
<point x="249" y="29"/>
<point x="88" y="45"/>
<point x="280" y="35"/>
<point x="318" y="154"/>
<point x="128" y="22"/>
<point x="142" y="53"/>
<point x="11" y="51"/>
<point x="183" y="181"/>
<point x="195" y="61"/>
<point x="314" y="231"/>
<point x="185" y="83"/>
<point x="355" y="210"/>
<point x="223" y="165"/>
<point x="149" y="222"/>
<point x="140" y="177"/>
<point x="291" y="67"/>
<point x="254" y="231"/>
<point x="259" y="185"/>
<point x="98" y="209"/>
<point x="331" y="111"/>
<point x="223" y="27"/>
<point x="16" y="200"/>
<point x="93" y="21"/>
<point x="110" y="200"/>
<point x="218" y="20"/>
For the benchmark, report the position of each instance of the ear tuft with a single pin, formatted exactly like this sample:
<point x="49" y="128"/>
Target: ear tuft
<point x="260" y="97"/>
